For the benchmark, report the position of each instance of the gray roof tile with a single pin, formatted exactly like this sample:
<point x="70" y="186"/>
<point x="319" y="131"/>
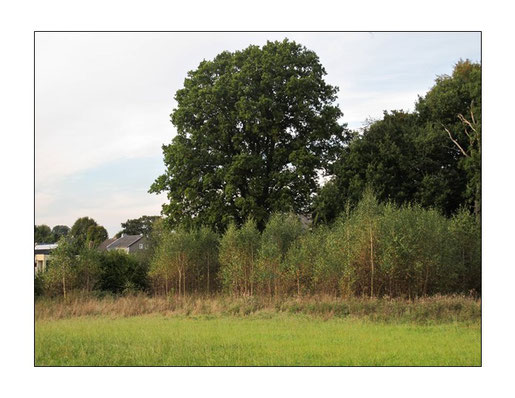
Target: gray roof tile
<point x="124" y="241"/>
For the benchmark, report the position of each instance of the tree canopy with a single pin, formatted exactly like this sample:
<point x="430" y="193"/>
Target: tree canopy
<point x="86" y="232"/>
<point x="43" y="234"/>
<point x="254" y="129"/>
<point x="59" y="231"/>
<point x="431" y="156"/>
<point x="138" y="226"/>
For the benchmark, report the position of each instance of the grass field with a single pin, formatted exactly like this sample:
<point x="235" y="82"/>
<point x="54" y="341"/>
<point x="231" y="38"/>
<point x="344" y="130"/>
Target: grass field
<point x="261" y="339"/>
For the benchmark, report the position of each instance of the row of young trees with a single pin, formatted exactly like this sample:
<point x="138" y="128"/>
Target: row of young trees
<point x="372" y="250"/>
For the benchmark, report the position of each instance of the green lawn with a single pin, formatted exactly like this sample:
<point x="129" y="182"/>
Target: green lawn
<point x="257" y="340"/>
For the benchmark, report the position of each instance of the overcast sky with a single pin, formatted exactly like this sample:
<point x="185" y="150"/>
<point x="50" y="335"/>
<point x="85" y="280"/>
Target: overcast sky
<point x="103" y="102"/>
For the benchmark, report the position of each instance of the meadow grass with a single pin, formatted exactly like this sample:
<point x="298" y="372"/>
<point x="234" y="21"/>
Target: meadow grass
<point x="265" y="338"/>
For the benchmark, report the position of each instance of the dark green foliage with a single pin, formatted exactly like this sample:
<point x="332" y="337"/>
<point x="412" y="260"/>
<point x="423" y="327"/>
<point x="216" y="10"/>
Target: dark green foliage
<point x="85" y="232"/>
<point x="59" y="231"/>
<point x="138" y="226"/>
<point x="112" y="271"/>
<point x="39" y="285"/>
<point x="451" y="110"/>
<point x="431" y="157"/>
<point x="119" y="271"/>
<point x="95" y="235"/>
<point x="398" y="218"/>
<point x="253" y="129"/>
<point x="466" y="251"/>
<point x="43" y="234"/>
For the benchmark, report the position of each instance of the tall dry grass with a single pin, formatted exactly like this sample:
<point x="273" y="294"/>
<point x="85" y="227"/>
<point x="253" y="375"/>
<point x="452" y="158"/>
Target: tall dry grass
<point x="429" y="309"/>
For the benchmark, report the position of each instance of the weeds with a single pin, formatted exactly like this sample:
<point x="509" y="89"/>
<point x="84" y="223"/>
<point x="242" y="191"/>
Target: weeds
<point x="431" y="309"/>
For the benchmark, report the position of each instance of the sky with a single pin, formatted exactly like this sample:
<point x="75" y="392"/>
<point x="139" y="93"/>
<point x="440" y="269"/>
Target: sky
<point x="103" y="104"/>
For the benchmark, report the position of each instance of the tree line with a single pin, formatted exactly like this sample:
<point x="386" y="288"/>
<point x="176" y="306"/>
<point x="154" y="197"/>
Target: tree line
<point x="85" y="231"/>
<point x="256" y="129"/>
<point x="399" y="214"/>
<point x="373" y="249"/>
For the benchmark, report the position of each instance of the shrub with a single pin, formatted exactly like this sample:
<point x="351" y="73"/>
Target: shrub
<point x="117" y="270"/>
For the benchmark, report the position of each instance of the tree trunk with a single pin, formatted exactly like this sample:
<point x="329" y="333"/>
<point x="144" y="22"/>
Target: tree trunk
<point x="424" y="292"/>
<point x="477" y="203"/>
<point x="179" y="288"/>
<point x="371" y="264"/>
<point x="184" y="283"/>
<point x="251" y="271"/>
<point x="208" y="273"/>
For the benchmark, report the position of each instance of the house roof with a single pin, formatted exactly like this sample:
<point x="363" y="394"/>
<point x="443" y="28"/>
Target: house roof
<point x="104" y="244"/>
<point x="124" y="242"/>
<point x="44" y="248"/>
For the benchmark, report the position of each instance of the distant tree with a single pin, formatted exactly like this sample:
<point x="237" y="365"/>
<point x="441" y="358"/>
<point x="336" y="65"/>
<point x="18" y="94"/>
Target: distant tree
<point x="95" y="235"/>
<point x="254" y="129"/>
<point x="59" y="231"/>
<point x="43" y="234"/>
<point x="79" y="233"/>
<point x="138" y="226"/>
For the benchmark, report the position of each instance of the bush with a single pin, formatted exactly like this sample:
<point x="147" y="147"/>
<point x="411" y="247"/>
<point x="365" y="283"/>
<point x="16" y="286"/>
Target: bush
<point x="38" y="285"/>
<point x="117" y="270"/>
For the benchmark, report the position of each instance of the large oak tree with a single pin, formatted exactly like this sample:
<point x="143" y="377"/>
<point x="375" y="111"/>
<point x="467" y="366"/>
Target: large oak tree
<point x="254" y="130"/>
